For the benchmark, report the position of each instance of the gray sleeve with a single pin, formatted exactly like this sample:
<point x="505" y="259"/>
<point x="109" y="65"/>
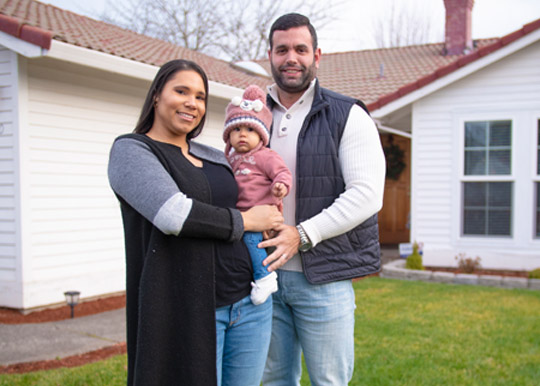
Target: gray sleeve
<point x="136" y="175"/>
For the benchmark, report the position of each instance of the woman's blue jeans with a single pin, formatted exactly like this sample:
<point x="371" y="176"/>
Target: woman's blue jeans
<point x="243" y="337"/>
<point x="252" y="239"/>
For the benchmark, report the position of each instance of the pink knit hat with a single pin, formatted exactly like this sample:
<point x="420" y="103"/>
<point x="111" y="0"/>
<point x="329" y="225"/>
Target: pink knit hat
<point x="251" y="111"/>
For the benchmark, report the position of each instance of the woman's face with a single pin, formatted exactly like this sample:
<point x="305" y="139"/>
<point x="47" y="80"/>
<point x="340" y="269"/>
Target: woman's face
<point x="180" y="106"/>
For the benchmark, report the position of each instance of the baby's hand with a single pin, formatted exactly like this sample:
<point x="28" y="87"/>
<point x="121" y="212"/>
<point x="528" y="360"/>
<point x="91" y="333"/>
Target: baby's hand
<point x="279" y="190"/>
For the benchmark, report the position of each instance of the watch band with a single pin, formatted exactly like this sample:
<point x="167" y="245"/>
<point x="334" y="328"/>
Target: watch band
<point x="305" y="242"/>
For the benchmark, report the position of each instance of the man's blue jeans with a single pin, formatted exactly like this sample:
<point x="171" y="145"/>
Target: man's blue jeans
<point x="317" y="320"/>
<point x="243" y="336"/>
<point x="252" y="239"/>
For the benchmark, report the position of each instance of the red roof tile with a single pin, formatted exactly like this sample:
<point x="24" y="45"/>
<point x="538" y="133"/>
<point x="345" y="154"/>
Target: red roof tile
<point x="381" y="76"/>
<point x="378" y="76"/>
<point x="426" y="64"/>
<point x="38" y="23"/>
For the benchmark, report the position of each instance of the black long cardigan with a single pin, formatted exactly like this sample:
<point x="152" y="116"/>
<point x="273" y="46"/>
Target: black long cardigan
<point x="170" y="280"/>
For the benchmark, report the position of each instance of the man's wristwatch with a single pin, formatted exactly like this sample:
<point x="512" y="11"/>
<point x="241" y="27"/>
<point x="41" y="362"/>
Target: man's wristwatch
<point x="305" y="242"/>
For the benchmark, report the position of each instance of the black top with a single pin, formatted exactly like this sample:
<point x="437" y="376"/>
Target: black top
<point x="233" y="264"/>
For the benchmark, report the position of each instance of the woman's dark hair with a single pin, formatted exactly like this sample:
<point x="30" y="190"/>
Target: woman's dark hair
<point x="165" y="73"/>
<point x="292" y="20"/>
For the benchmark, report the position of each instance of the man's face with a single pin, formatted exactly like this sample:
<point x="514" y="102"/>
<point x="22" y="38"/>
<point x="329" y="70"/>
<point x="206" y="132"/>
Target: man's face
<point x="292" y="59"/>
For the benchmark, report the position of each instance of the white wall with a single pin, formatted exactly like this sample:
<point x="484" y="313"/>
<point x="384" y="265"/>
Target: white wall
<point x="73" y="224"/>
<point x="508" y="89"/>
<point x="72" y="235"/>
<point x="10" y="269"/>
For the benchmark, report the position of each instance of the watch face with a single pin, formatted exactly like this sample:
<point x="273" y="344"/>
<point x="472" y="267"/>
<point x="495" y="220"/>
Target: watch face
<point x="304" y="247"/>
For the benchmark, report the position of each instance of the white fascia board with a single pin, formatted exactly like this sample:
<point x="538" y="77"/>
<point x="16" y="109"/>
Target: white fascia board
<point x="454" y="76"/>
<point x="224" y="91"/>
<point x="123" y="66"/>
<point x="391" y="130"/>
<point x="21" y="47"/>
<point x="101" y="61"/>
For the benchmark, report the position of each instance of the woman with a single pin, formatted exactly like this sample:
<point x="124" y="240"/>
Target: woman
<point x="184" y="256"/>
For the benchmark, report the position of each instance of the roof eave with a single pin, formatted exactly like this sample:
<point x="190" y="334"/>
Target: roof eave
<point x="122" y="66"/>
<point x="21" y="47"/>
<point x="100" y="61"/>
<point x="467" y="65"/>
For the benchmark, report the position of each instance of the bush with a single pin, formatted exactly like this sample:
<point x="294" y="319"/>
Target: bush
<point x="414" y="260"/>
<point x="534" y="274"/>
<point x="468" y="264"/>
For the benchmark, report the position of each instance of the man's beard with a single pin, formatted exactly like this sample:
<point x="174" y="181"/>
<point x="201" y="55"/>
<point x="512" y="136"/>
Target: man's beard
<point x="295" y="86"/>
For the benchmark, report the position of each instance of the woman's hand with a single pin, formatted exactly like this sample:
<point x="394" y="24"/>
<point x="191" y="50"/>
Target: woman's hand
<point x="261" y="218"/>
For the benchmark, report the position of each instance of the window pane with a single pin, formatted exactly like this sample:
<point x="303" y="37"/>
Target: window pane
<point x="500" y="133"/>
<point x="499" y="194"/>
<point x="475" y="134"/>
<point x="474" y="194"/>
<point x="474" y="222"/>
<point x="499" y="162"/>
<point x="475" y="162"/>
<point x="487" y="208"/>
<point x="488" y="148"/>
<point x="499" y="222"/>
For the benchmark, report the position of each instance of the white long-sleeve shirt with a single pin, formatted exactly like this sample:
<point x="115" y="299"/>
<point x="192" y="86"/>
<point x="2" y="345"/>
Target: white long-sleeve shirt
<point x="362" y="164"/>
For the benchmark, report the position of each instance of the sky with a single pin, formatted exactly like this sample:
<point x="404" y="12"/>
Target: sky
<point x="353" y="25"/>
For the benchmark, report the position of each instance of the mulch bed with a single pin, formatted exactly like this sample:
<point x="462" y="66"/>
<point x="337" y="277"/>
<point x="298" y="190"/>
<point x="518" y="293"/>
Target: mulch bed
<point x="506" y="273"/>
<point x="90" y="307"/>
<point x="71" y="361"/>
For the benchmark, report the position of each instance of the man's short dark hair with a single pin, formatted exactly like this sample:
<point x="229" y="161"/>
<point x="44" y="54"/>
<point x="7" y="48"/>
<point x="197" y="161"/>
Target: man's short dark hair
<point x="292" y="20"/>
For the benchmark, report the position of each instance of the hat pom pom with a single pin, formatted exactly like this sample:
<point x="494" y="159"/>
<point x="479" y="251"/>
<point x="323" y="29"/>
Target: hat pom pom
<point x="253" y="93"/>
<point x="236" y="101"/>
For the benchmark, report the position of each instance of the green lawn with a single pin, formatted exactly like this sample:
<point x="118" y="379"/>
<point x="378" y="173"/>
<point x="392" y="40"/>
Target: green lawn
<point x="407" y="333"/>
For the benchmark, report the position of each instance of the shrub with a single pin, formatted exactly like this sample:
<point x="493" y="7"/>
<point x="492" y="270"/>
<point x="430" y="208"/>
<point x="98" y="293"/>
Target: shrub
<point x="534" y="274"/>
<point x="468" y="264"/>
<point x="414" y="260"/>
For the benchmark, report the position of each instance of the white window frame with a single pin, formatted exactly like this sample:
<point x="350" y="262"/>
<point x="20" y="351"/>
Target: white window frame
<point x="523" y="175"/>
<point x="535" y="173"/>
<point x="459" y="239"/>
<point x="488" y="178"/>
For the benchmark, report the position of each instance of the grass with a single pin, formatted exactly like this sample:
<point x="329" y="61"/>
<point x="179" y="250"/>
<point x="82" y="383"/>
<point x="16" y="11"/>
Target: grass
<point x="110" y="372"/>
<point x="407" y="333"/>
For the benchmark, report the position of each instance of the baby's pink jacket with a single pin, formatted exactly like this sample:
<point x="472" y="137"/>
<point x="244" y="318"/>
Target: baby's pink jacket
<point x="256" y="173"/>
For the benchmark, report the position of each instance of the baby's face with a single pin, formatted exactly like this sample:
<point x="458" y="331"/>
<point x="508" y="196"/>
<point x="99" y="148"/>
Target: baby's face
<point x="244" y="139"/>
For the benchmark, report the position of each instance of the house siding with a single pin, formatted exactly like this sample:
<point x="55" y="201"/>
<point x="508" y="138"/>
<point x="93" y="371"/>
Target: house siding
<point x="76" y="240"/>
<point x="9" y="236"/>
<point x="70" y="226"/>
<point x="507" y="89"/>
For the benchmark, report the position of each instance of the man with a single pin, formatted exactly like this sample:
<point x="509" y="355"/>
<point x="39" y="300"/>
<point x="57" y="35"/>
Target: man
<point x="330" y="233"/>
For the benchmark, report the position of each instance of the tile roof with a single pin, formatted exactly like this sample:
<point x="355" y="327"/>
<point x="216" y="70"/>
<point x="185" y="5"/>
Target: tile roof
<point x="381" y="76"/>
<point x="38" y="23"/>
<point x="377" y="76"/>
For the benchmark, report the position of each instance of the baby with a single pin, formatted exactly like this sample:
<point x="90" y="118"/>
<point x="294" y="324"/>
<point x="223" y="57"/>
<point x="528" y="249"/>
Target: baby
<point x="261" y="174"/>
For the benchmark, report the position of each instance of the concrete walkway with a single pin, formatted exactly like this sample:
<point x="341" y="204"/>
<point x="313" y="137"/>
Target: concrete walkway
<point x="21" y="343"/>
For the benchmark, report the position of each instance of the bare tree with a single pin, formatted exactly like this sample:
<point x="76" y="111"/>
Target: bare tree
<point x="230" y="29"/>
<point x="402" y="24"/>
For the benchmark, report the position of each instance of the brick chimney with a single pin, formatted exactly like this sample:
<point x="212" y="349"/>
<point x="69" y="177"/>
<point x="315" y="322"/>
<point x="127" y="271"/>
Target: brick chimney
<point x="458" y="34"/>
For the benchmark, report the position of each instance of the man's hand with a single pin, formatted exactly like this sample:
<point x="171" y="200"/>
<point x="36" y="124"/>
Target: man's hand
<point x="279" y="190"/>
<point x="286" y="243"/>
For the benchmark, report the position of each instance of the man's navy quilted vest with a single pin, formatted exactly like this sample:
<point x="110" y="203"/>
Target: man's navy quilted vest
<point x="319" y="181"/>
